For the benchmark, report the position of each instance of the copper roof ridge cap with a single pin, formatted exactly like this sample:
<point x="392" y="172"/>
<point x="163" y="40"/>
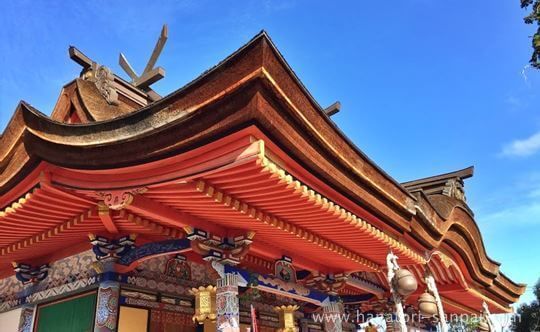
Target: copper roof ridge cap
<point x="505" y="277"/>
<point x="477" y="228"/>
<point x="463" y="173"/>
<point x="10" y="142"/>
<point x="320" y="109"/>
<point x="474" y="223"/>
<point x="9" y="124"/>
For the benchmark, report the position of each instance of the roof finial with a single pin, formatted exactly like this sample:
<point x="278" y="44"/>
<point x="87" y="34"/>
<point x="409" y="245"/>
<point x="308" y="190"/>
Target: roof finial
<point x="102" y="76"/>
<point x="150" y="75"/>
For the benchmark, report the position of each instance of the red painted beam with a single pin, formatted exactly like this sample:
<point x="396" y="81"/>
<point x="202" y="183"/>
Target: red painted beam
<point x="170" y="216"/>
<point x="106" y="218"/>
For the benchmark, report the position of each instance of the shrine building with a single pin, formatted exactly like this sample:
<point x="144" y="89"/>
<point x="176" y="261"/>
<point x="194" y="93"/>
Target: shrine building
<point x="232" y="203"/>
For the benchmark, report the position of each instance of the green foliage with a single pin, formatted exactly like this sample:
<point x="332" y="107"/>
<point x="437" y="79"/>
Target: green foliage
<point x="533" y="18"/>
<point x="527" y="318"/>
<point x="463" y="324"/>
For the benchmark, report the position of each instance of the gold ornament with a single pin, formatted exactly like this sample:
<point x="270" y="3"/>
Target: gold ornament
<point x="286" y="318"/>
<point x="205" y="303"/>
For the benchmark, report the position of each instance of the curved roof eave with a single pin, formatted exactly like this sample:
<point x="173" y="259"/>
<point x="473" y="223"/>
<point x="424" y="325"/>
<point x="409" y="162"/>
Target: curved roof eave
<point x="258" y="59"/>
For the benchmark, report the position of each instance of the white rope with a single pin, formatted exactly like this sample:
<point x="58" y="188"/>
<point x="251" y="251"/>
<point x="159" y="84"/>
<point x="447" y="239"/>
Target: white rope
<point x="392" y="265"/>
<point x="487" y="315"/>
<point x="432" y="287"/>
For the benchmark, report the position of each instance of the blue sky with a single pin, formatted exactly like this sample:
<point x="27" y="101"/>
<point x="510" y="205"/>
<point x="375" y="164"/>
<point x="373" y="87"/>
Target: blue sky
<point x="426" y="86"/>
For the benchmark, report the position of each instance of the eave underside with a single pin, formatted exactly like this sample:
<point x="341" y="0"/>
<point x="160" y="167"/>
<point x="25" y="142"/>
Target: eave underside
<point x="232" y="184"/>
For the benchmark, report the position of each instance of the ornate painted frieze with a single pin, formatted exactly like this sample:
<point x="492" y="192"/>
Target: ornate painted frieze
<point x="64" y="276"/>
<point x="156" y="269"/>
<point x="159" y="286"/>
<point x="157" y="305"/>
<point x="177" y="267"/>
<point x="61" y="290"/>
<point x="134" y="254"/>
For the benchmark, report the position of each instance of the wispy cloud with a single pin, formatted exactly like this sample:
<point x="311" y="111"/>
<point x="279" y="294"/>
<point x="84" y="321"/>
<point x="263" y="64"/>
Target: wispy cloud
<point x="521" y="206"/>
<point x="523" y="214"/>
<point x="522" y="147"/>
<point x="513" y="101"/>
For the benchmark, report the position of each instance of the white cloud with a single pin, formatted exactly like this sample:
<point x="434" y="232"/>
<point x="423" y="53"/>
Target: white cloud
<point x="535" y="193"/>
<point x="517" y="204"/>
<point x="523" y="147"/>
<point x="513" y="101"/>
<point x="524" y="214"/>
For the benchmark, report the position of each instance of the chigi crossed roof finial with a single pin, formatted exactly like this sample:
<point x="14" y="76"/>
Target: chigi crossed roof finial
<point x="150" y="75"/>
<point x="110" y="85"/>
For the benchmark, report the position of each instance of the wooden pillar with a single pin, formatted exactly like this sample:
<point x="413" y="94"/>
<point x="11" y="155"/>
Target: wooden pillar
<point x="107" y="307"/>
<point x="333" y="314"/>
<point x="227" y="305"/>
<point x="26" y="322"/>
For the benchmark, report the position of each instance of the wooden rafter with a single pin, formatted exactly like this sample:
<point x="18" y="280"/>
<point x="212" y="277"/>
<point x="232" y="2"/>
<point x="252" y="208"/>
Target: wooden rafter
<point x="171" y="232"/>
<point x="151" y="209"/>
<point x="342" y="214"/>
<point x="266" y="218"/>
<point x="48" y="234"/>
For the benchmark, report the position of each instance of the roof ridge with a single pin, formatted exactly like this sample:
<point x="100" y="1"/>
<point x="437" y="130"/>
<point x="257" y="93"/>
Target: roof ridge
<point x="464" y="173"/>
